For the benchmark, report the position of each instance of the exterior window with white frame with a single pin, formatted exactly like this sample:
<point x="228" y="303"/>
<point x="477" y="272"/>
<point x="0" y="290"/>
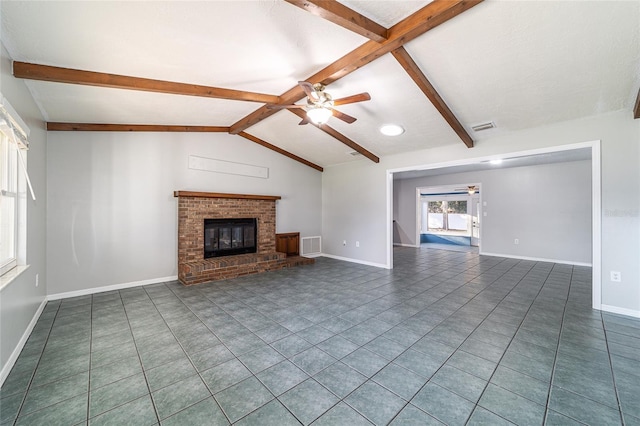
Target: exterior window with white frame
<point x="14" y="181"/>
<point x="9" y="176"/>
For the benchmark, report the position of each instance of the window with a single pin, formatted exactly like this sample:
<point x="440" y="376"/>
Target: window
<point x="8" y="203"/>
<point x="445" y="216"/>
<point x="13" y="184"/>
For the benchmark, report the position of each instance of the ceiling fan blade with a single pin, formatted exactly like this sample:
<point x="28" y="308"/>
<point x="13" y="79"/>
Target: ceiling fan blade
<point x="309" y="90"/>
<point x="360" y="97"/>
<point x="304" y="121"/>
<point x="276" y="106"/>
<point x="342" y="116"/>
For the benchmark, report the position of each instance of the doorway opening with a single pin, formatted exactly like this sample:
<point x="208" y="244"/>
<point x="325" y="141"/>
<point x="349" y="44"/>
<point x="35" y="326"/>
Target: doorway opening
<point x="590" y="151"/>
<point x="448" y="216"/>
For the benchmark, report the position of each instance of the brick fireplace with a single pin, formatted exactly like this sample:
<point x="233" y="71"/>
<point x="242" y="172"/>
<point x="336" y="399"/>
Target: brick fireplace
<point x="195" y="207"/>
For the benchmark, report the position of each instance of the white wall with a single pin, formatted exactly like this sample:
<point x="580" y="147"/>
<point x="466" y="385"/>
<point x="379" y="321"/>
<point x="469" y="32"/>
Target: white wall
<point x="354" y="209"/>
<point x="19" y="301"/>
<point x="355" y="195"/>
<point x="112" y="217"/>
<point x="546" y="207"/>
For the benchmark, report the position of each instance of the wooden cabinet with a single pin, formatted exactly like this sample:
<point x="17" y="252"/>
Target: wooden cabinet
<point x="288" y="243"/>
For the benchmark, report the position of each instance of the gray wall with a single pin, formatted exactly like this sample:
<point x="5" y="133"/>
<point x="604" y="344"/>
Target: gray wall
<point x="112" y="217"/>
<point x="546" y="207"/>
<point x="20" y="300"/>
<point x="355" y="195"/>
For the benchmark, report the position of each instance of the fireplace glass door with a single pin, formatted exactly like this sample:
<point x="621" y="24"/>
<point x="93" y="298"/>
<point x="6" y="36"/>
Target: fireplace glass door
<point x="225" y="237"/>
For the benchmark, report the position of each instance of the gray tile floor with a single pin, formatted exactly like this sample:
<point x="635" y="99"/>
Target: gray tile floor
<point x="451" y="247"/>
<point x="446" y="337"/>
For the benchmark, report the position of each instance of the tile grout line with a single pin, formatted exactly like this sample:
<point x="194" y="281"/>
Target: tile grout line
<point x="189" y="357"/>
<point x="90" y="355"/>
<point x="547" y="408"/>
<point x="428" y="379"/>
<point x="186" y="355"/>
<point x="519" y="324"/>
<point x="369" y="295"/>
<point x="458" y="347"/>
<point x="236" y="357"/>
<point x="252" y="332"/>
<point x="310" y="376"/>
<point x="391" y="361"/>
<point x="506" y="271"/>
<point x="33" y="375"/>
<point x="555" y="357"/>
<point x="613" y="375"/>
<point x="124" y="308"/>
<point x="505" y="350"/>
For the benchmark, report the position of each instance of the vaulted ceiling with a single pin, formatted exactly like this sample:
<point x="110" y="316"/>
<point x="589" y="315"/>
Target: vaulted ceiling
<point x="435" y="68"/>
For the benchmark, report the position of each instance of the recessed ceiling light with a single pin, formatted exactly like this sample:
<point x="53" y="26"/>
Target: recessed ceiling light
<point x="391" y="130"/>
<point x="496" y="161"/>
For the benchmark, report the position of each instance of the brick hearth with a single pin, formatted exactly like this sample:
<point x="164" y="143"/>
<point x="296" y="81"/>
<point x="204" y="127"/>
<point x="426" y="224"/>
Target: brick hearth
<point x="194" y="207"/>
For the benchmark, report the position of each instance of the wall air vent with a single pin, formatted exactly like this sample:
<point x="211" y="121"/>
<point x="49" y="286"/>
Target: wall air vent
<point x="354" y="153"/>
<point x="483" y="126"/>
<point x="311" y="246"/>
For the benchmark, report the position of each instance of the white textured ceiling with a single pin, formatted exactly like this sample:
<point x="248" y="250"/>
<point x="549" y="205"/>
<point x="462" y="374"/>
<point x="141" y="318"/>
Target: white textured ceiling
<point x="520" y="64"/>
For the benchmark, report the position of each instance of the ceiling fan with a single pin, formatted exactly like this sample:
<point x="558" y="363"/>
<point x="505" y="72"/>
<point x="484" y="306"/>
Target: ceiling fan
<point x="320" y="104"/>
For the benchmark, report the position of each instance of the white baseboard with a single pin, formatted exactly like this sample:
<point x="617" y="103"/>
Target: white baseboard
<point x="362" y="262"/>
<point x="406" y="245"/>
<point x="6" y="369"/>
<point x="93" y="290"/>
<point x="621" y="311"/>
<point x="536" y="259"/>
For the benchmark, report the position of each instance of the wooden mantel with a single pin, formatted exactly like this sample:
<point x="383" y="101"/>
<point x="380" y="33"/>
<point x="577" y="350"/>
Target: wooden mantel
<point x="223" y="195"/>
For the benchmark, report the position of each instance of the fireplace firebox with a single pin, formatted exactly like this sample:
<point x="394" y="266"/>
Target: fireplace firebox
<point x="226" y="237"/>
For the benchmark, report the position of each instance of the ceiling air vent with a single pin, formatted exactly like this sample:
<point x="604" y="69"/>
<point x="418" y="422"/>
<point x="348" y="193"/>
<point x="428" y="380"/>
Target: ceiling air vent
<point x="483" y="126"/>
<point x="354" y="153"/>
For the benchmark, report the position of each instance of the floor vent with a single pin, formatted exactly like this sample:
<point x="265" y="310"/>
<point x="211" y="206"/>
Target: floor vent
<point x="311" y="246"/>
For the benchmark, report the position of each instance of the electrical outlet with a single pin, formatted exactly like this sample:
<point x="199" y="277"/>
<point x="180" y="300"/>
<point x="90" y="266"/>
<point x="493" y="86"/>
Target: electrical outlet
<point x="484" y="214"/>
<point x="344" y="242"/>
<point x="37" y="280"/>
<point x="616" y="276"/>
<point x="516" y="241"/>
<point x="357" y="243"/>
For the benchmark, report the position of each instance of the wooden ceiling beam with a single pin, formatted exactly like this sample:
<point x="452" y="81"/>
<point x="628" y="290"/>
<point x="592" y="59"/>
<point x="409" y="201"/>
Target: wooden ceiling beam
<point x="341" y="15"/>
<point x="409" y="65"/>
<point x="636" y="109"/>
<point x="280" y="151"/>
<point x="89" y="127"/>
<point x="425" y="19"/>
<point x="339" y="136"/>
<point x="90" y="78"/>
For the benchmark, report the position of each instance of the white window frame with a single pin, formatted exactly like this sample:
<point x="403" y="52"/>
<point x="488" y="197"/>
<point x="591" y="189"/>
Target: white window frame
<point x="14" y="134"/>
<point x="424" y="208"/>
<point x="9" y="190"/>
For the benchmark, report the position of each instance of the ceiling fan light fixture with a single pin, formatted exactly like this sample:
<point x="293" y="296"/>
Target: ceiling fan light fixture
<point x="319" y="115"/>
<point x="391" y="130"/>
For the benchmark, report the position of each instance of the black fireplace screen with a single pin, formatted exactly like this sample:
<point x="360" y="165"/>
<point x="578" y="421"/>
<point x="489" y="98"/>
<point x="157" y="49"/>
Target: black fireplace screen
<point x="225" y="237"/>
